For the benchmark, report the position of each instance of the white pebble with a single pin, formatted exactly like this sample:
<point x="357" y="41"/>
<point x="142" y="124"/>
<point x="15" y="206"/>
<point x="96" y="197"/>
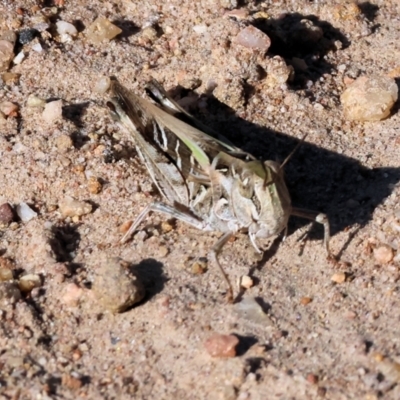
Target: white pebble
<point x="25" y="212"/>
<point x="52" y="111"/>
<point x="34" y="101"/>
<point x="19" y="57"/>
<point x="66" y="28"/>
<point x="37" y="47"/>
<point x="200" y="29"/>
<point x="102" y="85"/>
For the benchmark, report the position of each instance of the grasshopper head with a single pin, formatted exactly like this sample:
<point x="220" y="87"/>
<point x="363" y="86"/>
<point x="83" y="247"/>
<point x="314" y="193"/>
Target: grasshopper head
<point x="271" y="199"/>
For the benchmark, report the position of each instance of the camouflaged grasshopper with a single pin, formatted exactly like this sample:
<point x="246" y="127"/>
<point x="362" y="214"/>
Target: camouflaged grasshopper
<point x="205" y="180"/>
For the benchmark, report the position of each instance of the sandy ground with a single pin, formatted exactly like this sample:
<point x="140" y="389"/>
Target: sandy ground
<point x="314" y="338"/>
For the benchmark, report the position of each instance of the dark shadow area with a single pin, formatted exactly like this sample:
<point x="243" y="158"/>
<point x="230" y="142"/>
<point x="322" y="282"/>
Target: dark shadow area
<point x="305" y="37"/>
<point x="317" y="179"/>
<point x="74" y="112"/>
<point x="150" y="272"/>
<point x="128" y="28"/>
<point x="256" y="363"/>
<point x="65" y="241"/>
<point x="245" y="342"/>
<point x="369" y="10"/>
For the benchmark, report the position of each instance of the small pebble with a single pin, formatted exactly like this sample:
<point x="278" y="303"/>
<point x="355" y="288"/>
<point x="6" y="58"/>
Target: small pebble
<point x="6" y="54"/>
<point x="70" y="207"/>
<point x="246" y="282"/>
<point x="8" y="108"/>
<point x="19" y="58"/>
<point x="150" y="34"/>
<point x="124" y="227"/>
<point x="278" y="72"/>
<point x="305" y="300"/>
<point x="28" y="282"/>
<point x="312" y="378"/>
<point x="338" y="277"/>
<point x="250" y="310"/>
<point x="6" y="214"/>
<point x="166" y="226"/>
<point x="221" y="345"/>
<point x="253" y="38"/>
<point x="63" y="143"/>
<point x="199" y="266"/>
<point x="94" y="185"/>
<point x="369" y="98"/>
<point x="25" y="213"/>
<point x="52" y="111"/>
<point x="200" y="29"/>
<point x="383" y="254"/>
<point x="34" y="101"/>
<point x="65" y="28"/>
<point x="102" y="85"/>
<point x="37" y="47"/>
<point x="102" y="30"/>
<point x="27" y="35"/>
<point x="6" y="269"/>
<point x="115" y="286"/>
<point x="71" y="295"/>
<point x="71" y="382"/>
<point x="10" y="78"/>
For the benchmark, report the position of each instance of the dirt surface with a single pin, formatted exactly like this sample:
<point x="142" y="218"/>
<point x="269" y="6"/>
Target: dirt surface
<point x="323" y="330"/>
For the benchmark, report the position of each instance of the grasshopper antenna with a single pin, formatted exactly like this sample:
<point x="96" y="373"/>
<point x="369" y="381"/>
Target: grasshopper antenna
<point x="293" y="151"/>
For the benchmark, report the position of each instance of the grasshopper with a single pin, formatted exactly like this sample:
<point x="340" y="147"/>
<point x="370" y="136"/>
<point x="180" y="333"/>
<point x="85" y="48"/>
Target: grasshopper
<point x="204" y="179"/>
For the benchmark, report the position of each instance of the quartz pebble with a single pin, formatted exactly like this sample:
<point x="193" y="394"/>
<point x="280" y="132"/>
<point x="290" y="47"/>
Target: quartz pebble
<point x="369" y="98"/>
<point x="8" y="108"/>
<point x="6" y="214"/>
<point x="219" y="345"/>
<point x="19" y="58"/>
<point x="253" y="38"/>
<point x="102" y="85"/>
<point x="25" y="213"/>
<point x="66" y="31"/>
<point x="52" y="111"/>
<point x="102" y="30"/>
<point x="70" y="207"/>
<point x="34" y="101"/>
<point x="383" y="254"/>
<point x="116" y="287"/>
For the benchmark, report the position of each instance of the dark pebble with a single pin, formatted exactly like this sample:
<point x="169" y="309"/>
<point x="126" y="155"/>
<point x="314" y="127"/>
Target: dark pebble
<point x="6" y="214"/>
<point x="27" y="35"/>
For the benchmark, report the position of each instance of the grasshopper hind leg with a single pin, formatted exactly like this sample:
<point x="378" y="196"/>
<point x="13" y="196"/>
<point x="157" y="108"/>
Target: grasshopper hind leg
<point x="215" y="250"/>
<point x="164" y="209"/>
<point x="191" y="220"/>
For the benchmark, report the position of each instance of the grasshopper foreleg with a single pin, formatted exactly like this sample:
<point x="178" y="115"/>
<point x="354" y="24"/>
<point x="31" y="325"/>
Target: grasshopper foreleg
<point x="317" y="217"/>
<point x="214" y="256"/>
